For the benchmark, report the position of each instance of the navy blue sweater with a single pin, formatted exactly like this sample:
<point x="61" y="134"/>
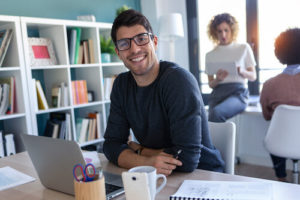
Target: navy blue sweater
<point x="168" y="114"/>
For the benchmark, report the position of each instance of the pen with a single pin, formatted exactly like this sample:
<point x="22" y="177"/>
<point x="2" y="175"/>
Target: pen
<point x="177" y="154"/>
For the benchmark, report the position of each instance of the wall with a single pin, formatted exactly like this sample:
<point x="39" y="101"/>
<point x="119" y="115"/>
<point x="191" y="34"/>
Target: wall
<point x="153" y="9"/>
<point x="104" y="10"/>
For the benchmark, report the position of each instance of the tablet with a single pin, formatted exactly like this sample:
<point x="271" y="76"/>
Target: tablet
<point x="213" y="67"/>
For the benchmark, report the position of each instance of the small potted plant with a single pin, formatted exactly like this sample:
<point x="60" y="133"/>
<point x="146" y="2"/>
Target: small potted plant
<point x="107" y="48"/>
<point x="121" y="9"/>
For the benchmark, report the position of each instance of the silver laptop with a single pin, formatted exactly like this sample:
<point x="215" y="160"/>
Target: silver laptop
<point x="54" y="160"/>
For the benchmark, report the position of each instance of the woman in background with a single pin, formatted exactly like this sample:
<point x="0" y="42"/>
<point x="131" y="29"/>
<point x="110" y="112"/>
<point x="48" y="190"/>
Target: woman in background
<point x="229" y="95"/>
<point x="285" y="87"/>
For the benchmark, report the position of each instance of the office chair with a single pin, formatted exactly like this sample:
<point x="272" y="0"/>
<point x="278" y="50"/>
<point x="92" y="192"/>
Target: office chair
<point x="223" y="138"/>
<point x="283" y="135"/>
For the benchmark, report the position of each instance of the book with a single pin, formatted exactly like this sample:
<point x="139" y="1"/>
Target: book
<point x="1" y="145"/>
<point x="10" y="144"/>
<point x="56" y="97"/>
<point x="4" y="43"/>
<point x="80" y="54"/>
<point x="42" y="102"/>
<point x="229" y="190"/>
<point x="48" y="132"/>
<point x="108" y="84"/>
<point x="34" y="94"/>
<point x="72" y="45"/>
<point x="86" y="54"/>
<point x="4" y="102"/>
<point x="74" y="97"/>
<point x="78" y="36"/>
<point x="64" y="94"/>
<point x="83" y="130"/>
<point x="12" y="93"/>
<point x="91" y="50"/>
<point x="97" y="124"/>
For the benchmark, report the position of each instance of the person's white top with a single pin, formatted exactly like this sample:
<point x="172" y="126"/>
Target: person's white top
<point x="240" y="55"/>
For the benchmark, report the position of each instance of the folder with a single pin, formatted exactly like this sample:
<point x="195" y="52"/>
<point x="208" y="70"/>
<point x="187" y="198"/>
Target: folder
<point x="10" y="145"/>
<point x="1" y="146"/>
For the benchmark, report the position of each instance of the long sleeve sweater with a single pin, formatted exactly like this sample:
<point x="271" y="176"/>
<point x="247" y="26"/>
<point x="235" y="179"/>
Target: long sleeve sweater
<point x="281" y="89"/>
<point x="168" y="114"/>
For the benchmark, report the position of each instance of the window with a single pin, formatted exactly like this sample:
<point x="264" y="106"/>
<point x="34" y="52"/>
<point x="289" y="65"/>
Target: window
<point x="274" y="17"/>
<point x="208" y="9"/>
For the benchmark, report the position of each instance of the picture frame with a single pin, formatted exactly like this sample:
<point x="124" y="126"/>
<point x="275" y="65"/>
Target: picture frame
<point x="41" y="52"/>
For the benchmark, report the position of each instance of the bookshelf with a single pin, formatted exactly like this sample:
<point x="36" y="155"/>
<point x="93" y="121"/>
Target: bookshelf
<point x="68" y="70"/>
<point x="19" y="121"/>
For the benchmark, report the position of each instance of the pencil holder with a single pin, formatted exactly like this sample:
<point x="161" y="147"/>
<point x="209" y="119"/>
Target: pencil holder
<point x="92" y="190"/>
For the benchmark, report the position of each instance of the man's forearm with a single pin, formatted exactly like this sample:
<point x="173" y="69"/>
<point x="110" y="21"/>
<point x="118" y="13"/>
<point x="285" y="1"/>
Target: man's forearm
<point x="128" y="159"/>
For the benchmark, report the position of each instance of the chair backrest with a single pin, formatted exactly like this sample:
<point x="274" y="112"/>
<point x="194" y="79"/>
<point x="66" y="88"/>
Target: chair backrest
<point x="283" y="135"/>
<point x="223" y="138"/>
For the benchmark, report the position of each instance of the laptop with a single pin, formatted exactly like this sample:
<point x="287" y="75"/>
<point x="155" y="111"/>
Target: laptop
<point x="54" y="160"/>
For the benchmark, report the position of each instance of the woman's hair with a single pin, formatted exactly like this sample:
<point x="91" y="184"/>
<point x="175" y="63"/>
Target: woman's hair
<point x="219" y="19"/>
<point x="129" y="18"/>
<point x="287" y="46"/>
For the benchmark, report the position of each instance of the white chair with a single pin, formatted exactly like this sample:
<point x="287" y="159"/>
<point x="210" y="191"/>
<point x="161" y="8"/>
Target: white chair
<point x="223" y="138"/>
<point x="283" y="135"/>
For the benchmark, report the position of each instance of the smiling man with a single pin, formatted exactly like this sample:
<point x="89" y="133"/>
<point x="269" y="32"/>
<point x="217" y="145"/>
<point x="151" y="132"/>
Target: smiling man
<point x="160" y="102"/>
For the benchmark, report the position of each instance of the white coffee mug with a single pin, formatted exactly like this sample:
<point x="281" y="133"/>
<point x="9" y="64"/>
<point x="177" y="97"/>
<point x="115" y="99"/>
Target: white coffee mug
<point x="152" y="179"/>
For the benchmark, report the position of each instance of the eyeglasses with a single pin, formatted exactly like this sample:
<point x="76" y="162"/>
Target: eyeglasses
<point x="140" y="40"/>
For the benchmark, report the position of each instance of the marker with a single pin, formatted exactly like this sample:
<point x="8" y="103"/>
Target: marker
<point x="177" y="154"/>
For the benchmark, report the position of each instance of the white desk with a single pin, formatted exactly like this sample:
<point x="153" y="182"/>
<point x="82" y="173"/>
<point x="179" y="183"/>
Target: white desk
<point x="35" y="191"/>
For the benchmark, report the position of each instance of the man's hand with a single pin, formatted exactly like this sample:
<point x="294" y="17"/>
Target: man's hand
<point x="164" y="163"/>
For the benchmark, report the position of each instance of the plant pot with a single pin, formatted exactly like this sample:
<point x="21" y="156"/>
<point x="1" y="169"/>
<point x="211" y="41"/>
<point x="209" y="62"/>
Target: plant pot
<point x="115" y="58"/>
<point x="105" y="57"/>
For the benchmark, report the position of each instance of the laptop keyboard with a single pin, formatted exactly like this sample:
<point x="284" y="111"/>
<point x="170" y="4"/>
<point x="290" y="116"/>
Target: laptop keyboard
<point x="109" y="188"/>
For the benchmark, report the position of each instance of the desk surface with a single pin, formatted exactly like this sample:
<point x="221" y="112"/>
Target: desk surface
<point x="35" y="190"/>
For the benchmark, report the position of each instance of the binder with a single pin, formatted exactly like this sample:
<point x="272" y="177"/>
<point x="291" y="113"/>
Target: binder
<point x="1" y="145"/>
<point x="10" y="145"/>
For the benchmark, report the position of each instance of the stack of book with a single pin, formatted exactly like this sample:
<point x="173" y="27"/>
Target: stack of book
<point x="60" y="95"/>
<point x="59" y="126"/>
<point x="5" y="38"/>
<point x="80" y="51"/>
<point x="88" y="128"/>
<point x="108" y="84"/>
<point x="79" y="92"/>
<point x="7" y="95"/>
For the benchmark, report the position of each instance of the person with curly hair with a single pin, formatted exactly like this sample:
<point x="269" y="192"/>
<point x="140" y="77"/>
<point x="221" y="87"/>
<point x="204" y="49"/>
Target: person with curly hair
<point x="285" y="87"/>
<point x="229" y="95"/>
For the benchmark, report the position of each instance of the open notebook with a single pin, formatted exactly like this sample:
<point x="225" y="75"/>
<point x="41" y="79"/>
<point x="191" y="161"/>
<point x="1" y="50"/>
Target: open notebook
<point x="219" y="190"/>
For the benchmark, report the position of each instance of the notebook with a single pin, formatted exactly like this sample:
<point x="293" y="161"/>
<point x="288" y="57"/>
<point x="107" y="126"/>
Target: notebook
<point x="219" y="190"/>
<point x="54" y="160"/>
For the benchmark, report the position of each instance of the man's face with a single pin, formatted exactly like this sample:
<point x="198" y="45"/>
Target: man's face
<point x="138" y="59"/>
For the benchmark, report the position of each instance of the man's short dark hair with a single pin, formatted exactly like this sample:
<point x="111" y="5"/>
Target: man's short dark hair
<point x="287" y="46"/>
<point x="129" y="18"/>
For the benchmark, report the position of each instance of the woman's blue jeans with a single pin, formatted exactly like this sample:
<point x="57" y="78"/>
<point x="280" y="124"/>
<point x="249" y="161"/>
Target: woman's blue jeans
<point x="226" y="101"/>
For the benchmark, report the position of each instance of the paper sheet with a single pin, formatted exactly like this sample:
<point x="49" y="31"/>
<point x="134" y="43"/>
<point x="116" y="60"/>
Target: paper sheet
<point x="92" y="157"/>
<point x="224" y="190"/>
<point x="10" y="177"/>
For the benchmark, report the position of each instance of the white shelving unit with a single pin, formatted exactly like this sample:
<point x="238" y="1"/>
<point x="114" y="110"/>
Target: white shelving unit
<point x="56" y="31"/>
<point x="13" y="66"/>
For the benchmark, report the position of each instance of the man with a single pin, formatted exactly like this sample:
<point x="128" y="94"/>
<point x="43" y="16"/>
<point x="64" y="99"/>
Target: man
<point x="160" y="102"/>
